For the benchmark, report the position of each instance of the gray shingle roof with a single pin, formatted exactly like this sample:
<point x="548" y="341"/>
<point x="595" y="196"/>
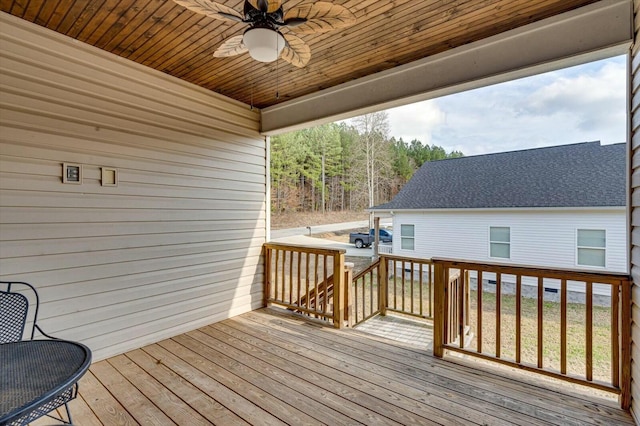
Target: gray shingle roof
<point x="578" y="175"/>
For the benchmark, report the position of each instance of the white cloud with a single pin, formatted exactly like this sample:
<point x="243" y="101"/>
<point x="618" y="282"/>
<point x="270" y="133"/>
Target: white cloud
<point x="592" y="100"/>
<point x="415" y="121"/>
<point x="577" y="104"/>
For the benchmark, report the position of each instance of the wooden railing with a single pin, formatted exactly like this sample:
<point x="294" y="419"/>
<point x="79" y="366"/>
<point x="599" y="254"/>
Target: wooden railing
<point x="365" y="293"/>
<point x="456" y="305"/>
<point x="393" y="283"/>
<point x="307" y="280"/>
<point x="408" y="287"/>
<point x="571" y="325"/>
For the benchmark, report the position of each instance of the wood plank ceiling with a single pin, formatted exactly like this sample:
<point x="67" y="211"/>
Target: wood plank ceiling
<point x="162" y="35"/>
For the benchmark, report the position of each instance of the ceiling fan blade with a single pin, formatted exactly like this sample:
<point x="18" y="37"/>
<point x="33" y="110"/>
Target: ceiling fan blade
<point x="296" y="52"/>
<point x="231" y="47"/>
<point x="268" y="6"/>
<point x="211" y="9"/>
<point x="230" y="17"/>
<point x="320" y="17"/>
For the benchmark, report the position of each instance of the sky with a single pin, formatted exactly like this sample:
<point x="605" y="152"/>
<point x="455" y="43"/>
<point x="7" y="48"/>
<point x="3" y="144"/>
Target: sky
<point x="577" y="104"/>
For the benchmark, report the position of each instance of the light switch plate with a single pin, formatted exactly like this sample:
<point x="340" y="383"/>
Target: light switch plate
<point x="109" y="176"/>
<point x="72" y="173"/>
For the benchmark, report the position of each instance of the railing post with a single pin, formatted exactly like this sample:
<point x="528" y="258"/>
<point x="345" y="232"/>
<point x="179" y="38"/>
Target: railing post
<point x="348" y="294"/>
<point x="338" y="290"/>
<point x="625" y="345"/>
<point x="376" y="237"/>
<point x="383" y="276"/>
<point x="438" y="311"/>
<point x="267" y="277"/>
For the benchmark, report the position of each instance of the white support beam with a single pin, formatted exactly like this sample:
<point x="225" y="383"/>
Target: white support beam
<point x="593" y="32"/>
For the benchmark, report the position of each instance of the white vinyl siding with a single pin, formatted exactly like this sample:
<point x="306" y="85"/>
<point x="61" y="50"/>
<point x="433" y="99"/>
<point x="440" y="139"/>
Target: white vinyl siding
<point x="407" y="238"/>
<point x="591" y="249"/>
<point x="634" y="219"/>
<point x="541" y="237"/>
<point x="499" y="242"/>
<point x="176" y="244"/>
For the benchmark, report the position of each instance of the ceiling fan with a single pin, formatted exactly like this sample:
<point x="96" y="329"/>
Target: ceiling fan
<point x="263" y="39"/>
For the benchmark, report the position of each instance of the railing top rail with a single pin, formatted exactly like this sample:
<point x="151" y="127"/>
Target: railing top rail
<point x="304" y="249"/>
<point x="364" y="272"/>
<point x="612" y="278"/>
<point x="406" y="259"/>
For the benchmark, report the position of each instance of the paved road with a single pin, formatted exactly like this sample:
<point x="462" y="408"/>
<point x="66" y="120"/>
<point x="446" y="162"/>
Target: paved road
<point x="316" y="229"/>
<point x="300" y="236"/>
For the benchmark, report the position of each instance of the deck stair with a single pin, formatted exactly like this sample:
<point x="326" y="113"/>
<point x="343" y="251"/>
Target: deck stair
<point x="318" y="299"/>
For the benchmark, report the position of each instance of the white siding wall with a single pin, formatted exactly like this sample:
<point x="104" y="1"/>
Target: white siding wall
<point x="176" y="244"/>
<point x="634" y="155"/>
<point x="544" y="238"/>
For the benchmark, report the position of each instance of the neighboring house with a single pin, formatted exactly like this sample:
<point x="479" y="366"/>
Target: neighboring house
<point x="563" y="206"/>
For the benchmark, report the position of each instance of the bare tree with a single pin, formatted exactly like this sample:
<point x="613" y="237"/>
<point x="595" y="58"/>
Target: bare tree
<point x="373" y="129"/>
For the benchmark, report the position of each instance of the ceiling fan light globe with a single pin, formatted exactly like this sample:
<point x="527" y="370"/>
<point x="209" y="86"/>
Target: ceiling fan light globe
<point x="265" y="45"/>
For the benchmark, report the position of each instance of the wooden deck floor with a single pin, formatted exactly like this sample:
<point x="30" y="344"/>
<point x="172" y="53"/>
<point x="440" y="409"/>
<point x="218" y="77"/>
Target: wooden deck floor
<point x="271" y="368"/>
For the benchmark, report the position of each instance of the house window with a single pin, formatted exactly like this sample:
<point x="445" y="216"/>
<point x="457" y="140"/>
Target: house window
<point x="500" y="242"/>
<point x="407" y="240"/>
<point x="592" y="247"/>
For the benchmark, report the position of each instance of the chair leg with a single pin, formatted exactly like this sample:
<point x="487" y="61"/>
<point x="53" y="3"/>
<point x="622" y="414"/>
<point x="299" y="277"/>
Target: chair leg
<point x="66" y="405"/>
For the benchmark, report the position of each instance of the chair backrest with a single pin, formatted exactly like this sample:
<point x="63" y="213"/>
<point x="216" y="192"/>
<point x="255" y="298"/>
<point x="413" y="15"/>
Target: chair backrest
<point x="14" y="310"/>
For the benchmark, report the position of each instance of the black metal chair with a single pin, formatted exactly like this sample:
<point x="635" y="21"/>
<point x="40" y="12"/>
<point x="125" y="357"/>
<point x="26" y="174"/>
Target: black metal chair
<point x="19" y="305"/>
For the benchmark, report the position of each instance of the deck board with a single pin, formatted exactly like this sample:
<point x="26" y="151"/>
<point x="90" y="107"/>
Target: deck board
<point x="430" y="377"/>
<point x="268" y="367"/>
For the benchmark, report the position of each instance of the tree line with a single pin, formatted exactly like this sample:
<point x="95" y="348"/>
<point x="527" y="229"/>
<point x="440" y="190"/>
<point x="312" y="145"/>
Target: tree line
<point x="341" y="166"/>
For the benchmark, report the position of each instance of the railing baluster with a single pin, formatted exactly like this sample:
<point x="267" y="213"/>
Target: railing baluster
<point x="290" y="277"/>
<point x="283" y="276"/>
<point x="355" y="300"/>
<point x="299" y="257"/>
<point x="371" y="293"/>
<point x="316" y="280"/>
<point x="276" y="280"/>
<point x="267" y="277"/>
<point x="540" y="319"/>
<point x="383" y="282"/>
<point x="563" y="326"/>
<point x="467" y="299"/>
<point x="364" y="296"/>
<point x="421" y="284"/>
<point x="412" y="278"/>
<point x="479" y="310"/>
<point x="404" y="283"/>
<point x="325" y="279"/>
<point x="498" y="312"/>
<point x="447" y="318"/>
<point x="308" y="275"/>
<point x="589" y="331"/>
<point x="339" y="287"/>
<point x="461" y="309"/>
<point x="395" y="284"/>
<point x="431" y="290"/>
<point x="518" y="318"/>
